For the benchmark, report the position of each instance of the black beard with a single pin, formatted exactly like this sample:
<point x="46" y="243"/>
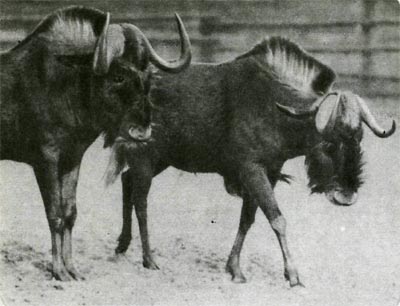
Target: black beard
<point x="334" y="164"/>
<point x="120" y="152"/>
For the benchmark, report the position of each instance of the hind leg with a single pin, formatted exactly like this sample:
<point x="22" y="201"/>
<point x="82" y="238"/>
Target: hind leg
<point x="246" y="220"/>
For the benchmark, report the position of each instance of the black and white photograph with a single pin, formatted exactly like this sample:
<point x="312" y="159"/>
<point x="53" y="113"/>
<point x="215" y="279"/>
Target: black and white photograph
<point x="199" y="153"/>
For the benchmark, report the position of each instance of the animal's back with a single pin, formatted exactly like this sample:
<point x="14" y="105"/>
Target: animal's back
<point x="191" y="117"/>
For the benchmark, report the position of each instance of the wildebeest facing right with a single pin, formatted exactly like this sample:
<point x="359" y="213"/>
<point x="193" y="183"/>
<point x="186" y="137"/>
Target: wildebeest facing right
<point x="225" y="119"/>
<point x="74" y="77"/>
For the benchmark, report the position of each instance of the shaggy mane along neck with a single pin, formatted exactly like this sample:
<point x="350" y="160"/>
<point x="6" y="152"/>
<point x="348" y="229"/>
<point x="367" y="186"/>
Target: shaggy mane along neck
<point x="70" y="30"/>
<point x="292" y="66"/>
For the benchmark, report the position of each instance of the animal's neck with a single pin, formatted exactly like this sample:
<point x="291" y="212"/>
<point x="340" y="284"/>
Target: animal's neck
<point x="300" y="137"/>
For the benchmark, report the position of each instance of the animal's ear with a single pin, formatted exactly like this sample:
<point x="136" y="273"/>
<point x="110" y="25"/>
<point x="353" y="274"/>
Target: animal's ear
<point x="76" y="61"/>
<point x="326" y="115"/>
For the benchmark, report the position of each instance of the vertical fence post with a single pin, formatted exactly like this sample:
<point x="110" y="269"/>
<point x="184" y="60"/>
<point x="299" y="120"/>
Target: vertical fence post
<point x="207" y="28"/>
<point x="368" y="7"/>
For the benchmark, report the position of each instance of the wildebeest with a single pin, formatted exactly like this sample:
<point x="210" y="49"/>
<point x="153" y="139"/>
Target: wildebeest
<point x="72" y="78"/>
<point x="224" y="118"/>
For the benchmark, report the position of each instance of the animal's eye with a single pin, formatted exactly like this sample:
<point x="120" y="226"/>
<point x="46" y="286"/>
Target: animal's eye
<point x="118" y="79"/>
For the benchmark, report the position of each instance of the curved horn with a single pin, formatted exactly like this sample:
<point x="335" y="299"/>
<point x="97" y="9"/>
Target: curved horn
<point x="298" y="114"/>
<point x="186" y="53"/>
<point x="302" y="114"/>
<point x="370" y="120"/>
<point x="101" y="52"/>
<point x="111" y="44"/>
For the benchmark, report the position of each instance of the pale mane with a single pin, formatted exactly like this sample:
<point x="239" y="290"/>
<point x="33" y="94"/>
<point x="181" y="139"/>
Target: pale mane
<point x="70" y="30"/>
<point x="292" y="66"/>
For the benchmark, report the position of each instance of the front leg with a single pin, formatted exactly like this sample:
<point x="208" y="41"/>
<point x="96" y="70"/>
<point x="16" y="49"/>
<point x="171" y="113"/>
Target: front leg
<point x="126" y="234"/>
<point x="141" y="178"/>
<point x="136" y="184"/>
<point x="46" y="172"/>
<point x="69" y="182"/>
<point x="259" y="188"/>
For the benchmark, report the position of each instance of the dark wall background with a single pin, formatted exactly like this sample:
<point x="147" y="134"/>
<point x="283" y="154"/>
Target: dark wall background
<point x="360" y="39"/>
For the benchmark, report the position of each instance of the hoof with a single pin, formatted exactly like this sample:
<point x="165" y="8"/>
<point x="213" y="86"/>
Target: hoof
<point x="121" y="248"/>
<point x="293" y="278"/>
<point x="118" y="257"/>
<point x="150" y="264"/>
<point x="295" y="283"/>
<point x="75" y="274"/>
<point x="62" y="275"/>
<point x="123" y="244"/>
<point x="239" y="279"/>
<point x="237" y="275"/>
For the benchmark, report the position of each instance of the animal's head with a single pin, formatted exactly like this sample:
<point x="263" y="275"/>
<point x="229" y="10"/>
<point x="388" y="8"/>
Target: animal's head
<point x="114" y="61"/>
<point x="122" y="78"/>
<point x="335" y="162"/>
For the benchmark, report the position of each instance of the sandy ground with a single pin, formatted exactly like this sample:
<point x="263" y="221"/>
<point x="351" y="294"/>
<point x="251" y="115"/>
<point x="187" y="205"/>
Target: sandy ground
<point x="345" y="255"/>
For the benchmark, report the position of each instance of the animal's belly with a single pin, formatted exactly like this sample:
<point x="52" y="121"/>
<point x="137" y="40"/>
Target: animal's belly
<point x="195" y="160"/>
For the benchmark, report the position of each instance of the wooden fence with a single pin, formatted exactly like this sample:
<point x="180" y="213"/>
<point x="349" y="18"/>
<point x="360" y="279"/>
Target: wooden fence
<point x="360" y="39"/>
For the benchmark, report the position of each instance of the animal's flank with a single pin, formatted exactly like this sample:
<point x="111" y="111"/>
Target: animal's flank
<point x="293" y="66"/>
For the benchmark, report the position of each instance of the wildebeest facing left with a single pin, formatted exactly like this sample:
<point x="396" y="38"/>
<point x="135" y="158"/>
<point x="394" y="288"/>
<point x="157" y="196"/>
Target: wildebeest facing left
<point x="224" y="119"/>
<point x="74" y="77"/>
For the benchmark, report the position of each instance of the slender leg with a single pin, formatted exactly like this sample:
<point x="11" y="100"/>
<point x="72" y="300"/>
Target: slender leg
<point x="69" y="183"/>
<point x="246" y="220"/>
<point x="260" y="189"/>
<point x="126" y="233"/>
<point x="136" y="184"/>
<point x="47" y="177"/>
<point x="141" y="214"/>
<point x="141" y="177"/>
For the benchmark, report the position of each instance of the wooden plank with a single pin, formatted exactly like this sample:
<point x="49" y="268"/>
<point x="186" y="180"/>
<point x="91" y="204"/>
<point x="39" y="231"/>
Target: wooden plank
<point x="132" y="9"/>
<point x="257" y="11"/>
<point x="386" y="10"/>
<point x="388" y="36"/>
<point x="332" y="38"/>
<point x="213" y="25"/>
<point x="377" y="87"/>
<point x="385" y="64"/>
<point x="306" y="11"/>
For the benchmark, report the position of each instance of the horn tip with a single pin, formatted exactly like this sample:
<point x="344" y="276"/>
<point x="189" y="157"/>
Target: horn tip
<point x="177" y="15"/>
<point x="389" y="133"/>
<point x="393" y="129"/>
